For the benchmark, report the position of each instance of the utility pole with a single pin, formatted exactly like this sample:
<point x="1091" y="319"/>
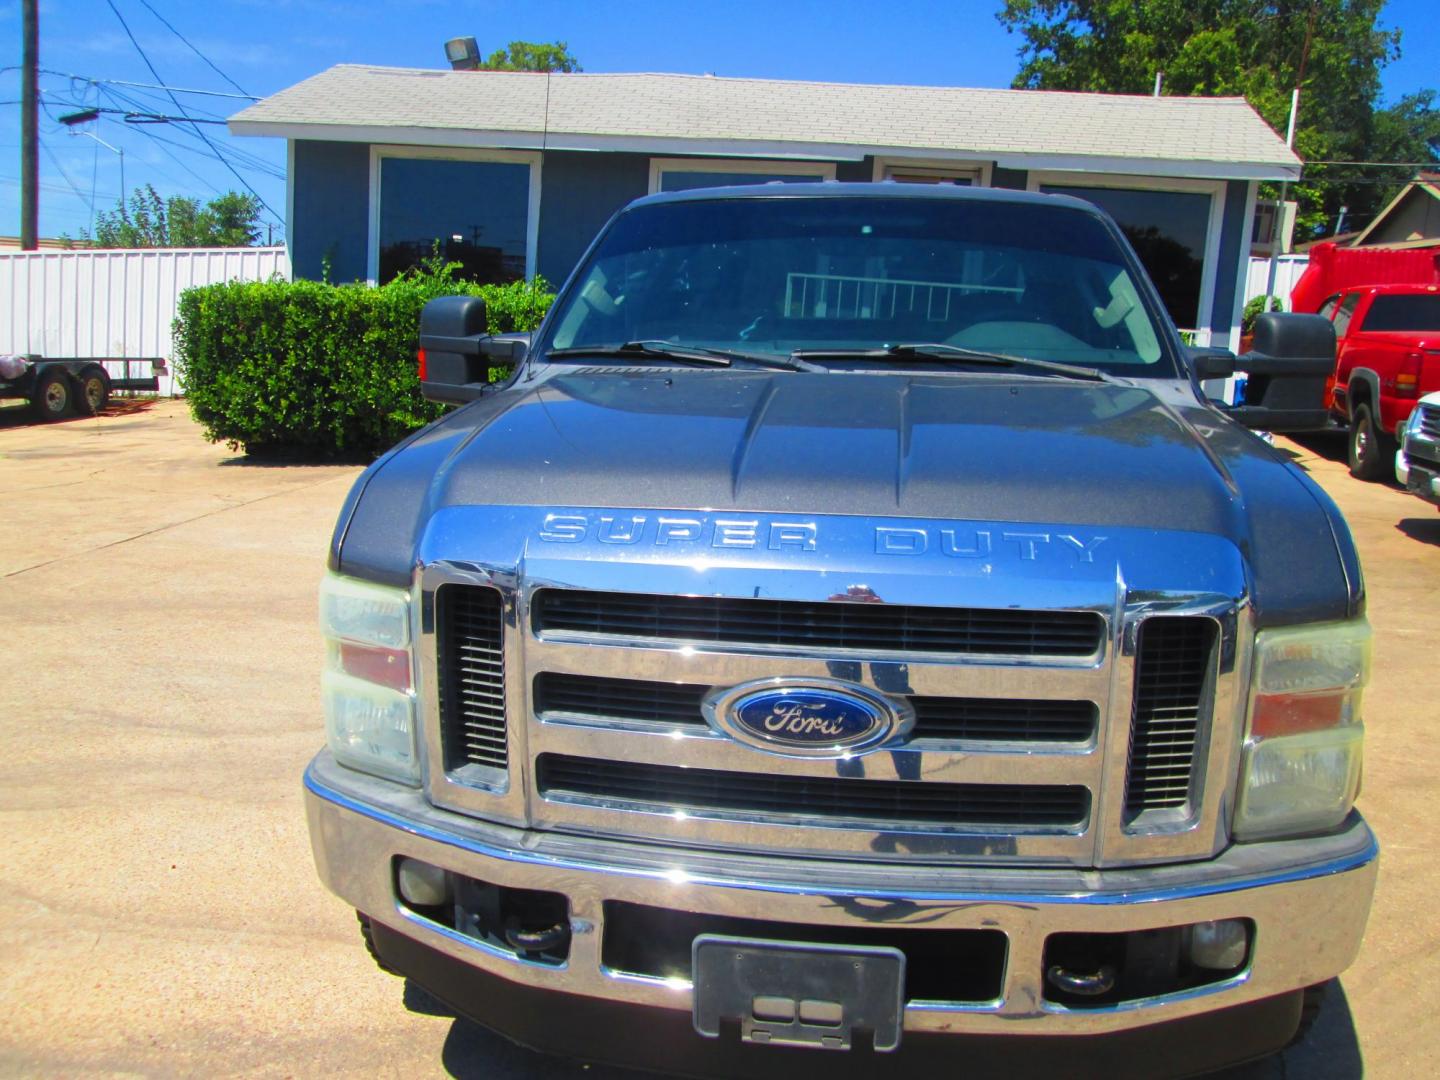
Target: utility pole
<point x="29" y="142"/>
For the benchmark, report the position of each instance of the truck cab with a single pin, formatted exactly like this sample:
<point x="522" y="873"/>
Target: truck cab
<point x="1388" y="356"/>
<point x="851" y="639"/>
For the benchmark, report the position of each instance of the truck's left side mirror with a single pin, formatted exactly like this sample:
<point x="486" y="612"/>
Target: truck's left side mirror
<point x="457" y="354"/>
<point x="1210" y="363"/>
<point x="1286" y="369"/>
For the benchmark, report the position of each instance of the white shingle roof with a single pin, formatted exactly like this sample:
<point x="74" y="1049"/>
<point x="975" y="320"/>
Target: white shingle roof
<point x="771" y="117"/>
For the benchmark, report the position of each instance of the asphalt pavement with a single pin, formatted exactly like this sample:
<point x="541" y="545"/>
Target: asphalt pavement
<point x="159" y="911"/>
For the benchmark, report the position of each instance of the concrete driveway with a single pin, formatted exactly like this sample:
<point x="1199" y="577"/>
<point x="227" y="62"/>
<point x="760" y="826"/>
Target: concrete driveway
<point x="159" y="913"/>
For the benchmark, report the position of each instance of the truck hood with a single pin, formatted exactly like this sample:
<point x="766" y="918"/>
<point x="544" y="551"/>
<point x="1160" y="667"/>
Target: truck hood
<point x="1000" y="448"/>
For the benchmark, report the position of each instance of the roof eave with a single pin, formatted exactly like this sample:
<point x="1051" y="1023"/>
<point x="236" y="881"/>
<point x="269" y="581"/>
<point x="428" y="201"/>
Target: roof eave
<point x="779" y="150"/>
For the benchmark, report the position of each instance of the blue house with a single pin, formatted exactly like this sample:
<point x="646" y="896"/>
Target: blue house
<point x="513" y="173"/>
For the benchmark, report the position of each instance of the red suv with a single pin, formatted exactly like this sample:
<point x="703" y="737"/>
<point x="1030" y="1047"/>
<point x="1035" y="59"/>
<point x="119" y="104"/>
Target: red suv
<point x="1388" y="354"/>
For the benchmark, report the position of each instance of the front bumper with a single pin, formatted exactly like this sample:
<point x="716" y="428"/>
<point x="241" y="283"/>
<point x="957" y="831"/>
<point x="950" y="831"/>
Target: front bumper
<point x="1418" y="476"/>
<point x="1308" y="899"/>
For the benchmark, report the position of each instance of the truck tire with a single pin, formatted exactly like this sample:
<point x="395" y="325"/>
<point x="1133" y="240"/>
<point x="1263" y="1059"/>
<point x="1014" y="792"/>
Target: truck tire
<point x="1372" y="452"/>
<point x="52" y="396"/>
<point x="370" y="944"/>
<point x="1309" y="1011"/>
<point x="93" y="393"/>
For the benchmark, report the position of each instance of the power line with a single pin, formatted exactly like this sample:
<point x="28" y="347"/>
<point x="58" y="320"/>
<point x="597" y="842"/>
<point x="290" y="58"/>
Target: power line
<point x="193" y="49"/>
<point x="145" y="86"/>
<point x="66" y="176"/>
<point x="198" y="130"/>
<point x="245" y="158"/>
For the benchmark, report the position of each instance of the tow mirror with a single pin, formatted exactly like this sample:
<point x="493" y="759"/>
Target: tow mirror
<point x="457" y="352"/>
<point x="1212" y="363"/>
<point x="1286" y="370"/>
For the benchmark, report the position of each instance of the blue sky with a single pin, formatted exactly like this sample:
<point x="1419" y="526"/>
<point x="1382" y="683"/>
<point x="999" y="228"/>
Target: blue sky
<point x="266" y="45"/>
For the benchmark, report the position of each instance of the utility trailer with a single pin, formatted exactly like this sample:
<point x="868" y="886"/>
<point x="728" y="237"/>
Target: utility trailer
<point x="56" y="386"/>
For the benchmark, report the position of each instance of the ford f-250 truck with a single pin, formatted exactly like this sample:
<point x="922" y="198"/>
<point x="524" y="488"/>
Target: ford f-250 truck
<point x="851" y="640"/>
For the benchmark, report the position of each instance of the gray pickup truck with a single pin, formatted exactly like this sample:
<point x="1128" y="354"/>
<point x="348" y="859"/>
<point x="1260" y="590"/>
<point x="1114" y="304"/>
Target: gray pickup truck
<point x="852" y="640"/>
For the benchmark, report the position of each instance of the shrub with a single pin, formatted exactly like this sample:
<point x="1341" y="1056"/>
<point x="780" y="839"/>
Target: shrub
<point x="1253" y="309"/>
<point x="308" y="368"/>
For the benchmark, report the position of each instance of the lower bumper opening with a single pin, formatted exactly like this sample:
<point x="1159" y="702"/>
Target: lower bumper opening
<point x="531" y="924"/>
<point x="1099" y="970"/>
<point x="962" y="966"/>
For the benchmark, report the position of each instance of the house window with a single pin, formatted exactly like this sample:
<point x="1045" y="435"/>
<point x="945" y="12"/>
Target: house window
<point x="932" y="171"/>
<point x="683" y="174"/>
<point x="1169" y="230"/>
<point x="476" y="212"/>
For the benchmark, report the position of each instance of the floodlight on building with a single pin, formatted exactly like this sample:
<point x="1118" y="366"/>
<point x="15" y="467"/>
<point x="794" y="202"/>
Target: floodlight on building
<point x="463" y="53"/>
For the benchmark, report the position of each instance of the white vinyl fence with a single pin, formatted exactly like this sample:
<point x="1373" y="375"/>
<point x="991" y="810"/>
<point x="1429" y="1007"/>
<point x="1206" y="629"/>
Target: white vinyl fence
<point x="114" y="302"/>
<point x="1288" y="269"/>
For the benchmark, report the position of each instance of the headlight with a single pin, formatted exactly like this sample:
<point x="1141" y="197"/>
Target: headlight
<point x="1300" y="770"/>
<point x="367" y="686"/>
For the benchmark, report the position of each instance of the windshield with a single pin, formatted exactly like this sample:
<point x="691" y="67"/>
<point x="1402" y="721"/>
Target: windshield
<point x="777" y="275"/>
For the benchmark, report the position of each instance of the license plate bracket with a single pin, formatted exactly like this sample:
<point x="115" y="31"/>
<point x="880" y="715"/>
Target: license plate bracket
<point x="798" y="994"/>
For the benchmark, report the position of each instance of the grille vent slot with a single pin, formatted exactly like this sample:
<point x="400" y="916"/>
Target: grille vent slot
<point x="820" y="625"/>
<point x="980" y="719"/>
<point x="1175" y="656"/>
<point x="471" y="642"/>
<point x="816" y="800"/>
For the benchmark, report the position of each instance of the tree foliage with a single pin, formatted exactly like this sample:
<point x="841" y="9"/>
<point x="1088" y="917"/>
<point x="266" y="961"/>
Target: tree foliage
<point x="531" y="56"/>
<point x="149" y="221"/>
<point x="1333" y="50"/>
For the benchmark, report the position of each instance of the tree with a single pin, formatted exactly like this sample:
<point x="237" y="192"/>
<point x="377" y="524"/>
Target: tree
<point x="148" y="221"/>
<point x="1333" y="50"/>
<point x="530" y="56"/>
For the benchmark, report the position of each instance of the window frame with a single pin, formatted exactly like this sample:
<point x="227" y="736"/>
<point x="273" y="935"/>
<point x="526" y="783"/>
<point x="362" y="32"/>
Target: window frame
<point x="979" y="171"/>
<point x="816" y="170"/>
<point x="1353" y="300"/>
<point x="1205" y="328"/>
<point x="379" y="153"/>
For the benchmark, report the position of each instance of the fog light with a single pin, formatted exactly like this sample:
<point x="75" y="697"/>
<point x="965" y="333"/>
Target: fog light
<point x="1219" y="945"/>
<point x="421" y="884"/>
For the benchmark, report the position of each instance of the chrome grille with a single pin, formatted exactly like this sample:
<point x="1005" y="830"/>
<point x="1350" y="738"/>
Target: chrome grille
<point x="821" y="800"/>
<point x="1430" y="420"/>
<point x="820" y="625"/>
<point x="948" y="718"/>
<point x="1174" y="658"/>
<point x="588" y="687"/>
<point x="472" y="676"/>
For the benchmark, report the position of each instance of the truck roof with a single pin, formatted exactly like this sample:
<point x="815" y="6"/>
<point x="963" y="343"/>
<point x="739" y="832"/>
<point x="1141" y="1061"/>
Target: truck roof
<point x="885" y="189"/>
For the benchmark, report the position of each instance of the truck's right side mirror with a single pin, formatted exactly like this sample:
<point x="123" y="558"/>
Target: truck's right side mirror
<point x="456" y="352"/>
<point x="1286" y="369"/>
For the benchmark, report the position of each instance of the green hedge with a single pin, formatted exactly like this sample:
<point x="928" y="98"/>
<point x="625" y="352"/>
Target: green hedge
<point x="322" y="370"/>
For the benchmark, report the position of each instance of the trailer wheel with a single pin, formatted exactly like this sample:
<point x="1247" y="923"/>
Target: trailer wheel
<point x="51" y="397"/>
<point x="94" y="392"/>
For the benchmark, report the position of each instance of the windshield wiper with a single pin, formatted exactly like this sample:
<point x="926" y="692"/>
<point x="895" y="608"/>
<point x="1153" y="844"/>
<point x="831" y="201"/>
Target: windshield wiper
<point x="935" y="350"/>
<point x="669" y="350"/>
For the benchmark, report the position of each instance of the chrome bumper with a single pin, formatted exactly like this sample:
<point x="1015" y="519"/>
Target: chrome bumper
<point x="1309" y="900"/>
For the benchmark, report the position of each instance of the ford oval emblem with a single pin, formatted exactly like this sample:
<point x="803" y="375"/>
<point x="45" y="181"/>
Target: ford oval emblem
<point x="808" y="717"/>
